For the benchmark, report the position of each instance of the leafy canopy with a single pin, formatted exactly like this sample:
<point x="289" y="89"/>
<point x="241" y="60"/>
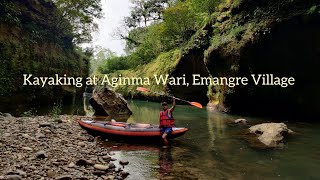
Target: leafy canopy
<point x="81" y="15"/>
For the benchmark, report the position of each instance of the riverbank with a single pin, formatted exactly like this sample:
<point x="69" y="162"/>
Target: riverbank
<point x="44" y="147"/>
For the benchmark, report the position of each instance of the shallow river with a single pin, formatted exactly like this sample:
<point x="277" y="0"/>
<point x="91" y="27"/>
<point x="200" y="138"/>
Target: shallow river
<point x="212" y="150"/>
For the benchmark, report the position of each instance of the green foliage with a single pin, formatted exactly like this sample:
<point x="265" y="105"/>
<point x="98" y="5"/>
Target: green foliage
<point x="180" y="23"/>
<point x="56" y="110"/>
<point x="80" y="14"/>
<point x="314" y="9"/>
<point x="163" y="64"/>
<point x="181" y="19"/>
<point x="36" y="43"/>
<point x="99" y="59"/>
<point x="112" y="64"/>
<point x="145" y="11"/>
<point x="29" y="113"/>
<point x="9" y="12"/>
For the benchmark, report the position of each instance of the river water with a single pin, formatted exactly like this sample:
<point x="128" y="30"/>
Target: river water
<point x="212" y="150"/>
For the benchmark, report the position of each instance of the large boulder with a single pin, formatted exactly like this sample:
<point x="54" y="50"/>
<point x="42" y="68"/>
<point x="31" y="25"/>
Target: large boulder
<point x="106" y="102"/>
<point x="270" y="134"/>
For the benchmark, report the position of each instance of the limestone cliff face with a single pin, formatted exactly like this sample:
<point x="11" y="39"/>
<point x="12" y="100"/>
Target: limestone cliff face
<point x="34" y="39"/>
<point x="256" y="37"/>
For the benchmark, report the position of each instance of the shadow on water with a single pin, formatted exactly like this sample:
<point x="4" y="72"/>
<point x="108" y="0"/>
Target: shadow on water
<point x="20" y="105"/>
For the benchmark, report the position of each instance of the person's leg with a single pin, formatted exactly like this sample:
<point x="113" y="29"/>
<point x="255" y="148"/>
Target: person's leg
<point x="164" y="137"/>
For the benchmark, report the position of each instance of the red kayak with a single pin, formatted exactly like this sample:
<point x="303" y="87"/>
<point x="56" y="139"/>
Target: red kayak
<point x="127" y="129"/>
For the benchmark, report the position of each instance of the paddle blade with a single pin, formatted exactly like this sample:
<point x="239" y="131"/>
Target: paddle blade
<point x="142" y="89"/>
<point x="196" y="104"/>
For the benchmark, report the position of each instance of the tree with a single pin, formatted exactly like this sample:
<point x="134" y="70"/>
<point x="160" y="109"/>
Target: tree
<point x="80" y="14"/>
<point x="180" y="22"/>
<point x="100" y="56"/>
<point x="145" y="11"/>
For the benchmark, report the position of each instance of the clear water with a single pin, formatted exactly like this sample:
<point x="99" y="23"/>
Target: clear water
<point x="212" y="150"/>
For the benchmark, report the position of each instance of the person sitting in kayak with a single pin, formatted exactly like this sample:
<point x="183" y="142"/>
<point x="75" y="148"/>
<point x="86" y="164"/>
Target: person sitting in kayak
<point x="167" y="120"/>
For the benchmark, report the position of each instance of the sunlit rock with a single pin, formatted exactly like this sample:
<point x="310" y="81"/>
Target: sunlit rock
<point x="270" y="134"/>
<point x="106" y="102"/>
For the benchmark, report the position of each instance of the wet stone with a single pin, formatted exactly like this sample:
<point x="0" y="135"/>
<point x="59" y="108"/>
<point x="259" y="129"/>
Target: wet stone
<point x="124" y="163"/>
<point x="124" y="174"/>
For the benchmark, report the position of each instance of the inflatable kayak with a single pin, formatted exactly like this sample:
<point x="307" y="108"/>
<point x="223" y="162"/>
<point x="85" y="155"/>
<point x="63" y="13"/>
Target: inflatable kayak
<point x="126" y="129"/>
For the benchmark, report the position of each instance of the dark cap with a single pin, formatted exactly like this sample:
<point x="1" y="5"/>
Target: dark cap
<point x="164" y="103"/>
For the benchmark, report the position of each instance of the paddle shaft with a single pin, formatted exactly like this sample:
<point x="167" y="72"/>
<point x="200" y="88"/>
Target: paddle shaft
<point x="196" y="104"/>
<point x="162" y="94"/>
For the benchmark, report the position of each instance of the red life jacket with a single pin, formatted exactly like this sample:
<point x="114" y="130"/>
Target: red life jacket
<point x="165" y="119"/>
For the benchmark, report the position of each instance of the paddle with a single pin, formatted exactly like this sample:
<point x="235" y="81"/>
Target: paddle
<point x="196" y="104"/>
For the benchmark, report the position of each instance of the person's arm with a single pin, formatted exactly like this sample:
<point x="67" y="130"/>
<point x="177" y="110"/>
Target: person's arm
<point x="173" y="104"/>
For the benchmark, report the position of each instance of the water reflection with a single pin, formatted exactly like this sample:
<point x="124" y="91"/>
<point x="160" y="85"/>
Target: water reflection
<point x="216" y="128"/>
<point x="165" y="161"/>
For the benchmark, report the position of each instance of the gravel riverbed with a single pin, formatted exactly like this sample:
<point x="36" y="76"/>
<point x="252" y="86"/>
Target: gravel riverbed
<point x="43" y="147"/>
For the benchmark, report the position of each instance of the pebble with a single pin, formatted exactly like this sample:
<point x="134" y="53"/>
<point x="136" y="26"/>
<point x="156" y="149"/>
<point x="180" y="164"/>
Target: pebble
<point x="64" y="177"/>
<point x="111" y="165"/>
<point x="41" y="154"/>
<point x="110" y="177"/>
<point x="45" y="124"/>
<point x="32" y="167"/>
<point x="82" y="144"/>
<point x="27" y="148"/>
<point x="47" y="131"/>
<point x="82" y="138"/>
<point x="21" y="173"/>
<point x="99" y="173"/>
<point x="106" y="158"/>
<point x="7" y="115"/>
<point x="13" y="177"/>
<point x="82" y="162"/>
<point x="101" y="167"/>
<point x="71" y="165"/>
<point x="124" y="174"/>
<point x="91" y="139"/>
<point x="27" y="136"/>
<point x="58" y="120"/>
<point x="124" y="163"/>
<point x="50" y="173"/>
<point x="40" y="135"/>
